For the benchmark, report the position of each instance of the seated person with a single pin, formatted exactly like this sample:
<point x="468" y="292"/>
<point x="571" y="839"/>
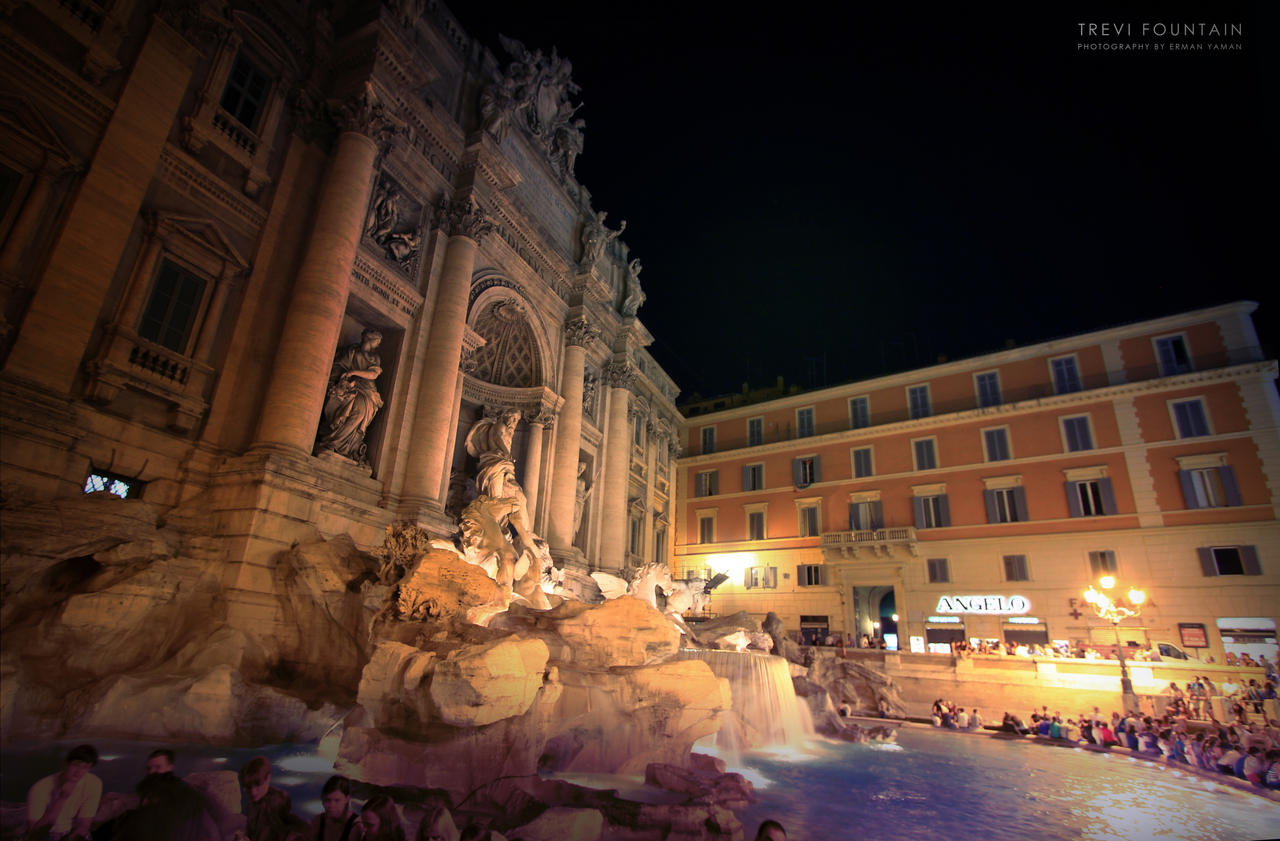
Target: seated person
<point x="270" y="813"/>
<point x="62" y="805"/>
<point x="337" y="822"/>
<point x="437" y="825"/>
<point x="381" y="820"/>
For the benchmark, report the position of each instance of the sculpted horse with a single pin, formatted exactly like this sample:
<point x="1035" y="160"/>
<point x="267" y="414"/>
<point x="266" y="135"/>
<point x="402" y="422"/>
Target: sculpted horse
<point x="645" y="584"/>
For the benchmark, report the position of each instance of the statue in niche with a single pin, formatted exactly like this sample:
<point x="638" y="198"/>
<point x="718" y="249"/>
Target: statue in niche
<point x="582" y="495"/>
<point x="352" y="400"/>
<point x="595" y="236"/>
<point x="635" y="295"/>
<point x="589" y="383"/>
<point x="384" y="223"/>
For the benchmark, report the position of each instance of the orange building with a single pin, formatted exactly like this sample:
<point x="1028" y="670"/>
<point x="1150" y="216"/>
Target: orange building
<point x="885" y="507"/>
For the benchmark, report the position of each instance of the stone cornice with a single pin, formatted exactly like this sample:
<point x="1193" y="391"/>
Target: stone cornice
<point x="1253" y="370"/>
<point x="985" y="362"/>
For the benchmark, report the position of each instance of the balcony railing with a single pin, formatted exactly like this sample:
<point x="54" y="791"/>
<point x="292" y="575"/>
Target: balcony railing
<point x="848" y="544"/>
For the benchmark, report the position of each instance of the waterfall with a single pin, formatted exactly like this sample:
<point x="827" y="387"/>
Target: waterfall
<point x="767" y="712"/>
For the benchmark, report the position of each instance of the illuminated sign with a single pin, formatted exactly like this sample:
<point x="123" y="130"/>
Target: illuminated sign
<point x="983" y="604"/>
<point x="1024" y="620"/>
<point x="946" y="620"/>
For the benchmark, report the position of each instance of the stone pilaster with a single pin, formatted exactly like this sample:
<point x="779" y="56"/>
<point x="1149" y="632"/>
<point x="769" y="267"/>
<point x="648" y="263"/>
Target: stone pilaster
<point x="300" y="375"/>
<point x="538" y="425"/>
<point x="564" y="477"/>
<point x="466" y="224"/>
<point x="620" y="377"/>
<point x="1137" y="465"/>
<point x="67" y="302"/>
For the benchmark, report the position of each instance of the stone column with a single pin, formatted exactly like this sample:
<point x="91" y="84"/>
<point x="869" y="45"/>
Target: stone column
<point x="66" y="306"/>
<point x="428" y="464"/>
<point x="564" y="477"/>
<point x="312" y="327"/>
<point x="24" y="226"/>
<point x="617" y="460"/>
<point x="533" y="460"/>
<point x="204" y="345"/>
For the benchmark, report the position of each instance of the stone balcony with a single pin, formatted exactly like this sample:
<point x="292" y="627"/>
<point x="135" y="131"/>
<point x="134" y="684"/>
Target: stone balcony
<point x="843" y="545"/>
<point x="128" y="361"/>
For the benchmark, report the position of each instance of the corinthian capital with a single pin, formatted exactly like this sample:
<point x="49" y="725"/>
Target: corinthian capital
<point x="463" y="219"/>
<point x="365" y="114"/>
<point x="620" y="375"/>
<point x="578" y="333"/>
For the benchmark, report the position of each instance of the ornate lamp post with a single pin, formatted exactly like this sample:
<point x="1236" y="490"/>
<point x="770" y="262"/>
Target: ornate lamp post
<point x="1115" y="610"/>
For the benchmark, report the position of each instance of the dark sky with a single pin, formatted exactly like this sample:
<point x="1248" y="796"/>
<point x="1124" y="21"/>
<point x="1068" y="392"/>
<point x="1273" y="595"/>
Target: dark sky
<point x="834" y="192"/>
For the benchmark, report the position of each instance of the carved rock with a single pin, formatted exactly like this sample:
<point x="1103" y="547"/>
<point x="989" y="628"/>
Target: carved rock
<point x="393" y="687"/>
<point x="621" y="632"/>
<point x="560" y="822"/>
<point x="483" y="684"/>
<point x="442" y="585"/>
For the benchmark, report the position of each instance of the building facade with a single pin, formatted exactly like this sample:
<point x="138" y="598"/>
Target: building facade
<point x="980" y="498"/>
<point x="220" y="221"/>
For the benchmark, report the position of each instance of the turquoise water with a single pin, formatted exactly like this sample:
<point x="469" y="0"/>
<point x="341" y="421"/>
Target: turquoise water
<point x="971" y="788"/>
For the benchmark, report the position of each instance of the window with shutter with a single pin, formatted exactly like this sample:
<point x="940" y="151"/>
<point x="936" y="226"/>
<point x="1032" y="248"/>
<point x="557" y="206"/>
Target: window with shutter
<point x="988" y="385"/>
<point x="1102" y="563"/>
<point x="859" y="412"/>
<point x="939" y="571"/>
<point x="1066" y="377"/>
<point x="755" y="432"/>
<point x="1076" y="434"/>
<point x="1173" y="355"/>
<point x="804" y="423"/>
<point x="996" y="443"/>
<point x="918" y="401"/>
<point x="1015" y="568"/>
<point x="1190" y="418"/>
<point x="862" y="465"/>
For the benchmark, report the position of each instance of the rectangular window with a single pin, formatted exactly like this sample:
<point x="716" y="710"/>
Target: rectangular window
<point x="1229" y="560"/>
<point x="862" y="466"/>
<point x="806" y="471"/>
<point x="804" y="423"/>
<point x="171" y="309"/>
<point x="859" y="412"/>
<point x="753" y="477"/>
<point x="761" y="577"/>
<point x="811" y="575"/>
<point x="1191" y="419"/>
<point x="1171" y="351"/>
<point x="755" y="525"/>
<point x="925" y="454"/>
<point x="637" y="526"/>
<point x="245" y="93"/>
<point x="707" y="529"/>
<point x="809" y="525"/>
<point x="708" y="439"/>
<point x="755" y="432"/>
<point x="988" y="385"/>
<point x="1006" y="505"/>
<point x="1210" y="487"/>
<point x="1076" y="434"/>
<point x="1015" y="568"/>
<point x="939" y="571"/>
<point x="996" y="442"/>
<point x="1102" y="563"/>
<point x="707" y="483"/>
<point x="866" y="516"/>
<point x="112" y="483"/>
<point x="637" y="433"/>
<point x="932" y="511"/>
<point x="1066" y="377"/>
<point x="1091" y="498"/>
<point x="660" y="546"/>
<point x="918" y="401"/>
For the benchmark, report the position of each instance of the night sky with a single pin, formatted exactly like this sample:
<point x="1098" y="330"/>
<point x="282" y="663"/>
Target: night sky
<point x="831" y="194"/>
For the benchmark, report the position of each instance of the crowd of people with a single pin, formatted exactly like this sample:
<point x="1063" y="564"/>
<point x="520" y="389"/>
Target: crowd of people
<point x="62" y="807"/>
<point x="1247" y="748"/>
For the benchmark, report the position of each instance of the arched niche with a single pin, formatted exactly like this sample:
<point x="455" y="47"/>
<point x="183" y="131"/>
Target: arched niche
<point x="516" y="352"/>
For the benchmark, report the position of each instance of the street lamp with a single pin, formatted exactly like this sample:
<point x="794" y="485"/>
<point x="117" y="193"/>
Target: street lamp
<point x="1114" y="610"/>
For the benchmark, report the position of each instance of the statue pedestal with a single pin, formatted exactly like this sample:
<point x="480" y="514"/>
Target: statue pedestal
<point x="341" y="462"/>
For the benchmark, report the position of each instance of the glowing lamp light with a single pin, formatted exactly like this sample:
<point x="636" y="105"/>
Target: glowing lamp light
<point x="1137" y="596"/>
<point x="895" y="617"/>
<point x="732" y="564"/>
<point x="1107" y="582"/>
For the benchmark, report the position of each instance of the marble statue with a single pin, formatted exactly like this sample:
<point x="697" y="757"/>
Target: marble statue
<point x="384" y="223"/>
<point x="589" y="385"/>
<point x="635" y="295"/>
<point x="645" y="584"/>
<point x="519" y="565"/>
<point x="533" y="93"/>
<point x="581" y="496"/>
<point x="353" y="399"/>
<point x="595" y="236"/>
